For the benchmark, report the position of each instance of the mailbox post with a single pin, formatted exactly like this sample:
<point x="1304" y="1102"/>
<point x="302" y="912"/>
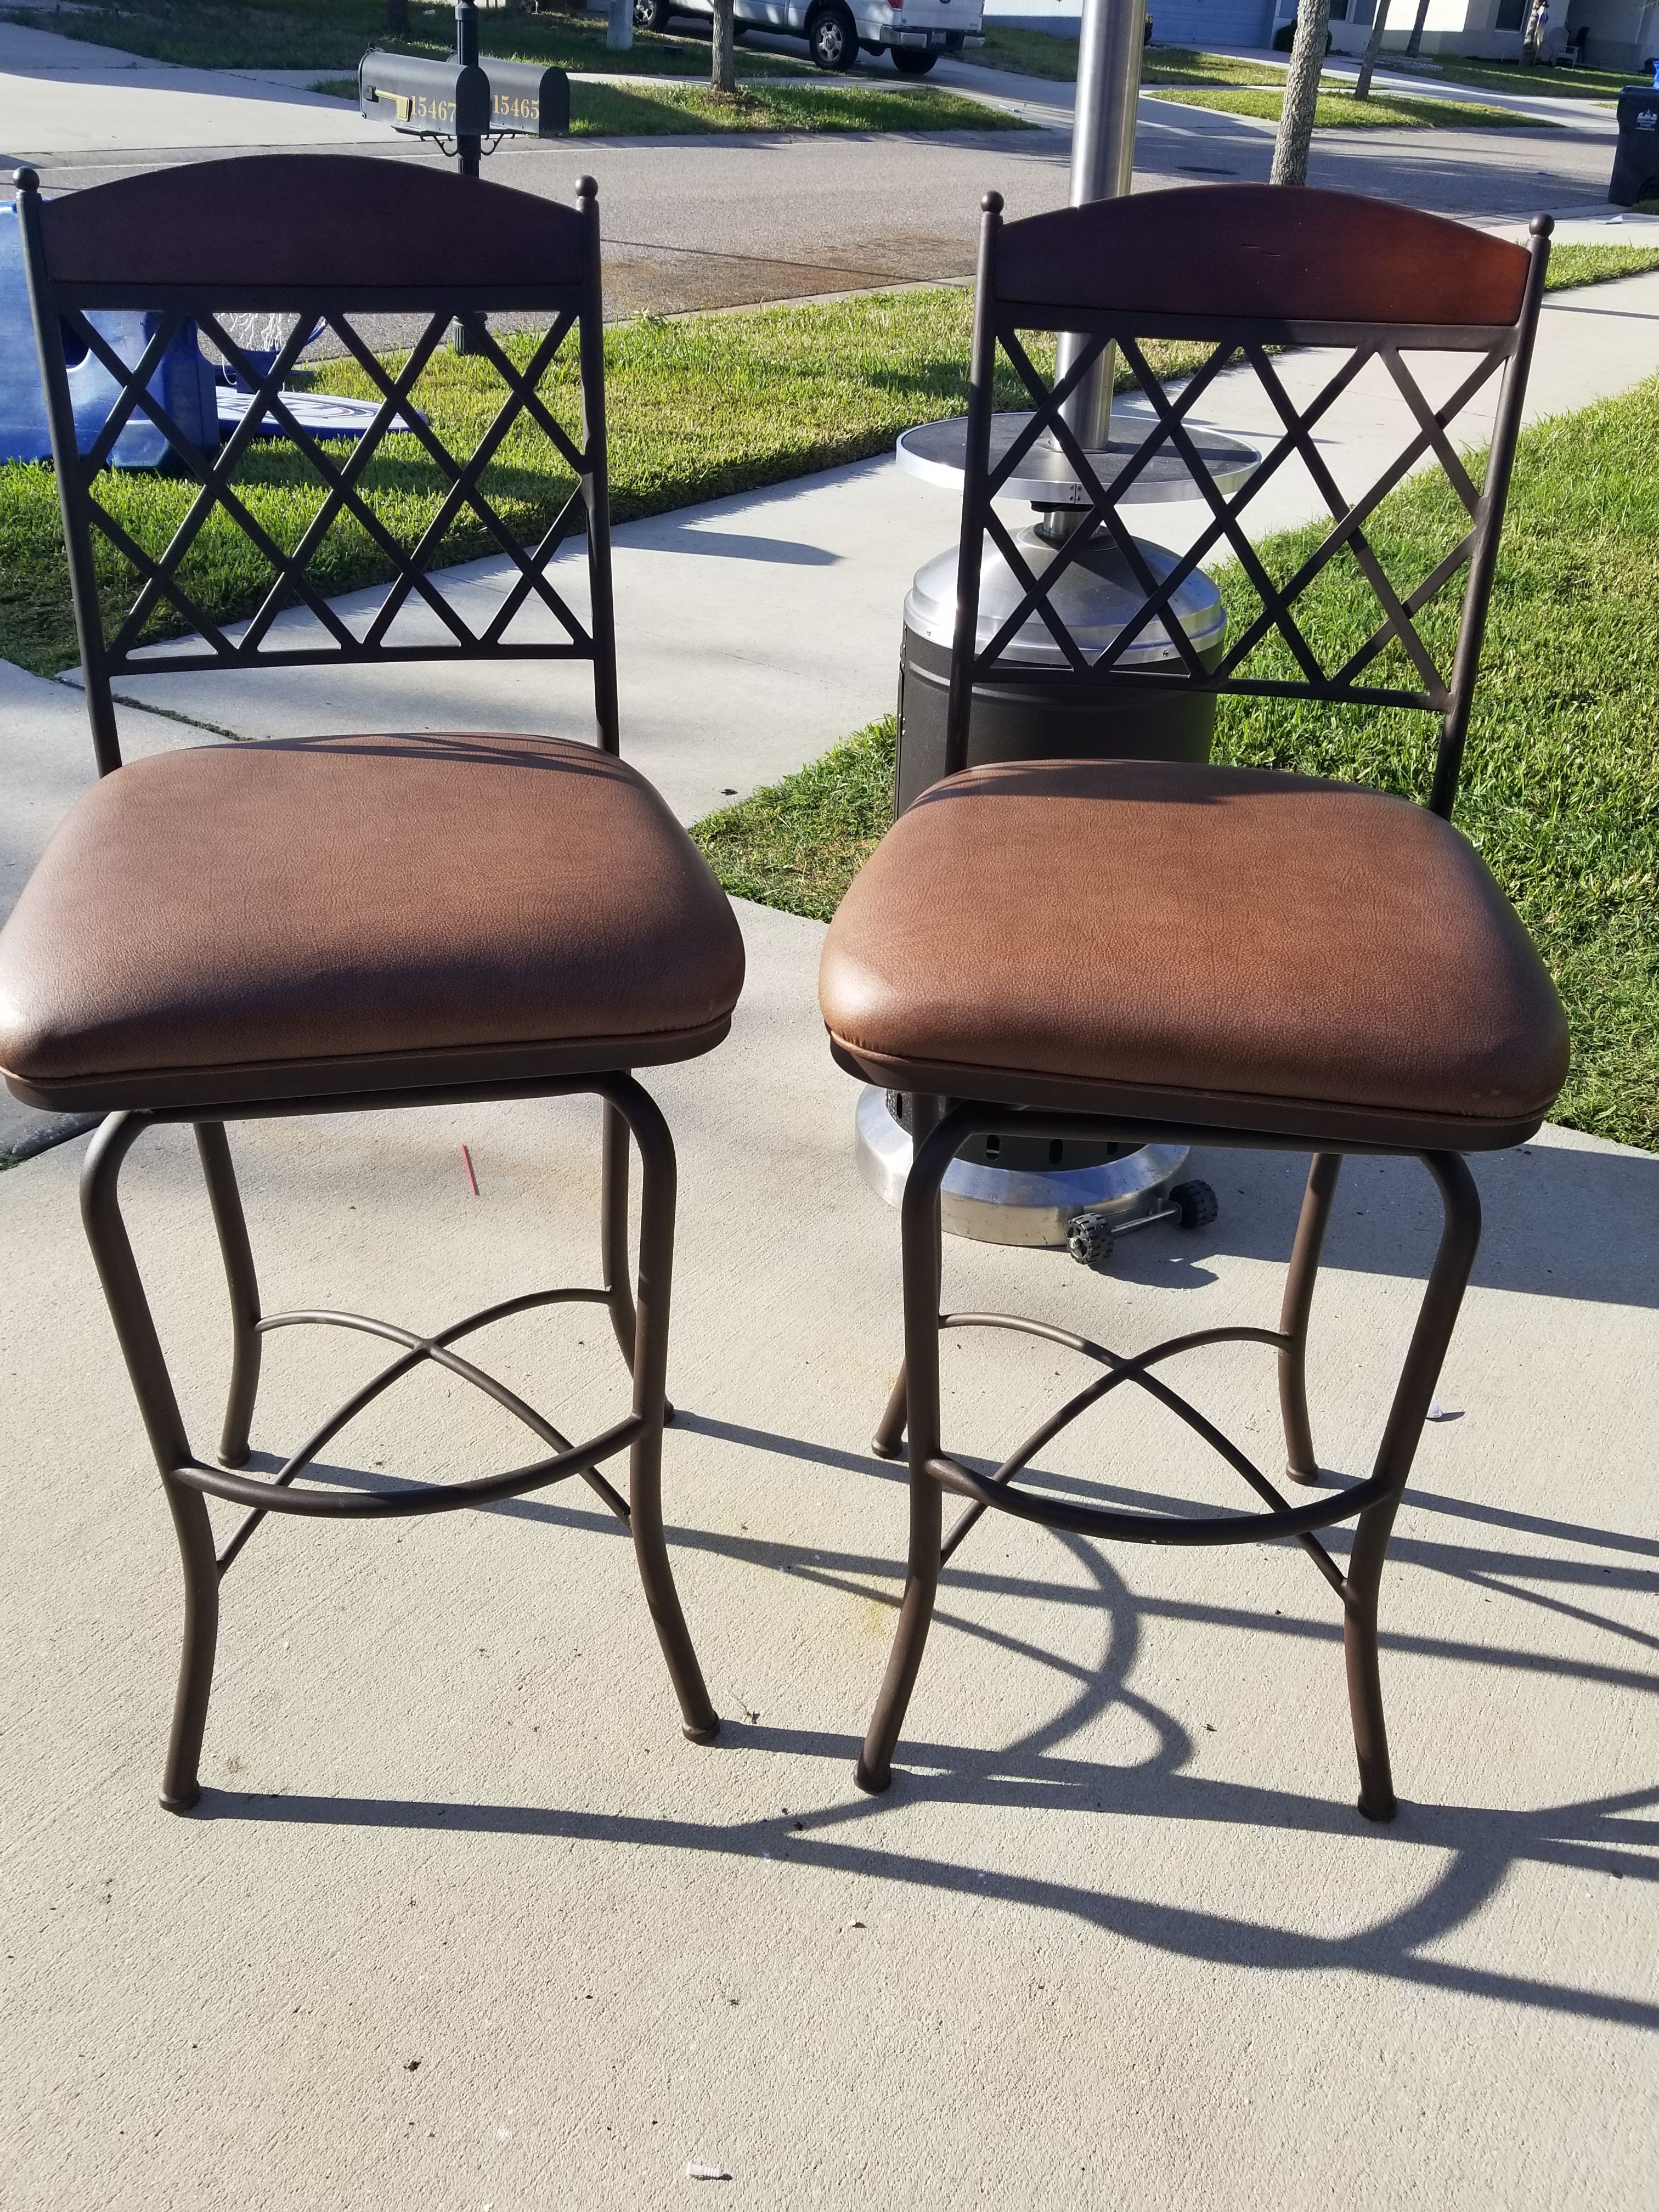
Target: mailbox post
<point x="469" y="145"/>
<point x="462" y="101"/>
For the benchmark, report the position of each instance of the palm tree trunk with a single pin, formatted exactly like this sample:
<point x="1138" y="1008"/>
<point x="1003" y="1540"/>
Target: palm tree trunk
<point x="1373" y="47"/>
<point x="1296" y="120"/>
<point x="722" y="69"/>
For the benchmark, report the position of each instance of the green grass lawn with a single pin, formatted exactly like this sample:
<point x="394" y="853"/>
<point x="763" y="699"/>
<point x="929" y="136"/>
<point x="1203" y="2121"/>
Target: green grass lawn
<point x="1194" y="76"/>
<point x="615" y="110"/>
<point x="1572" y="265"/>
<point x="798" y="844"/>
<point x="1560" y="788"/>
<point x="1191" y="65"/>
<point x="1039" y="54"/>
<point x="780" y="392"/>
<point x="332" y="35"/>
<point x="1510" y="77"/>
<point x="1029" y="54"/>
<point x="785" y="391"/>
<point x="1340" y="111"/>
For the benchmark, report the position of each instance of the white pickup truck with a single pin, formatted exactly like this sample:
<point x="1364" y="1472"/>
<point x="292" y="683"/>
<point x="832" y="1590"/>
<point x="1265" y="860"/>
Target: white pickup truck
<point x="914" y="32"/>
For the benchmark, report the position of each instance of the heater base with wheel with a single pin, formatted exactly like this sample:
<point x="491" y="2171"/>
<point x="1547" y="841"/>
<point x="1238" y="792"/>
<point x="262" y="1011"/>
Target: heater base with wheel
<point x="1032" y="1194"/>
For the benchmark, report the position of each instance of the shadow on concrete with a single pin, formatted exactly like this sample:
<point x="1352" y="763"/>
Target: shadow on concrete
<point x="1557" y="1222"/>
<point x="1486" y="1846"/>
<point x="669" y="537"/>
<point x="1473" y="1848"/>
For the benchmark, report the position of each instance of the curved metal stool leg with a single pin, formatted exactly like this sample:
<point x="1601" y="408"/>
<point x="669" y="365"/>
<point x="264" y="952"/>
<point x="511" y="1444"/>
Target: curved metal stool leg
<point x="874" y="1771"/>
<point x="1460" y="1238"/>
<point x="1360" y="1651"/>
<point x="180" y="1785"/>
<point x="649" y="1363"/>
<point x="919" y="1380"/>
<point x="613" y="1236"/>
<point x="613" y="1229"/>
<point x="246" y="1341"/>
<point x="1301" y="1464"/>
<point x="141" y="1349"/>
<point x="888" y="1442"/>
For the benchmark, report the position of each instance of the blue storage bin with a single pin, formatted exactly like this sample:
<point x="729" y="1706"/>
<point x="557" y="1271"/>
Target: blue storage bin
<point x="184" y="383"/>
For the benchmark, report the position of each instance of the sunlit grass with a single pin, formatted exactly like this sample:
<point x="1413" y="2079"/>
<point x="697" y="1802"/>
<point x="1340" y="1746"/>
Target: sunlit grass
<point x="646" y="110"/>
<point x="698" y="407"/>
<point x="335" y="35"/>
<point x="1337" y="110"/>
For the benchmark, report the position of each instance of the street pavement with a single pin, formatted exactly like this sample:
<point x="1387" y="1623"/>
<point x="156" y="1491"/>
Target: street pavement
<point x="708" y="222"/>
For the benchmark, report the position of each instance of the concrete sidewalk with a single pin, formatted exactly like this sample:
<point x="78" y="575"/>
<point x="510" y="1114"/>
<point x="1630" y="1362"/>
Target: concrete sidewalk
<point x="462" y="1921"/>
<point x="62" y="95"/>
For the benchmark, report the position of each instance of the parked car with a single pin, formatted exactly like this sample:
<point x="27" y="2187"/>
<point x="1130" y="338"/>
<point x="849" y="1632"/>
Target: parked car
<point x="914" y="32"/>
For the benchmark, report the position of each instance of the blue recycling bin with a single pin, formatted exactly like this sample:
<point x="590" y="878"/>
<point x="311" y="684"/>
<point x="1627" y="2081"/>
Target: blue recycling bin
<point x="184" y="383"/>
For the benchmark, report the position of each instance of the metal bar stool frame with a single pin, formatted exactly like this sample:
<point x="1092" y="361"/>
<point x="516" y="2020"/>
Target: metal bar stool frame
<point x="910" y="1425"/>
<point x="638" y="1315"/>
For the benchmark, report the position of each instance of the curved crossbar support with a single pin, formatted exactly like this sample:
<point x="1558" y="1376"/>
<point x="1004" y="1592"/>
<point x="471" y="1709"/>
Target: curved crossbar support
<point x="187" y="1479"/>
<point x="416" y="1498"/>
<point x="433" y="1497"/>
<point x="1121" y="1370"/>
<point x="1177" y="1528"/>
<point x="1372" y="1504"/>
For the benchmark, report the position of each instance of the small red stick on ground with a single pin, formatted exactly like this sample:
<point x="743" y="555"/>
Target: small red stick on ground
<point x="471" y="1175"/>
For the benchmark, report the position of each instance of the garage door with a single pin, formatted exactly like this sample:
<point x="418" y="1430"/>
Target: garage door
<point x="1211" y="22"/>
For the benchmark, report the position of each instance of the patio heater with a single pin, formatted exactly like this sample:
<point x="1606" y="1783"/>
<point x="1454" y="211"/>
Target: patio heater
<point x="1005" y="1191"/>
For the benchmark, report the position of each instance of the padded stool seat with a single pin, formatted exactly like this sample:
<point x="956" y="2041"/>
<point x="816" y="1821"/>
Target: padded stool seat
<point x="236" y="923"/>
<point x="1226" y="947"/>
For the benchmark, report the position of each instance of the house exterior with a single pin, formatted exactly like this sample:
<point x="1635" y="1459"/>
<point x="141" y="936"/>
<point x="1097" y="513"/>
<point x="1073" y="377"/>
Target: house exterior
<point x="1614" y="34"/>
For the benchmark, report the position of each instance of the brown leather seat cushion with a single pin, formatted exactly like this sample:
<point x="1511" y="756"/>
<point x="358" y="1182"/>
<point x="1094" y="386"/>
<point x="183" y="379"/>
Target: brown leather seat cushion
<point x="243" y="922"/>
<point x="1229" y="947"/>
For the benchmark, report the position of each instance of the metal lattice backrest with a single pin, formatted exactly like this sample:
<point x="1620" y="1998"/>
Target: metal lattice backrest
<point x="319" y="244"/>
<point x="1247" y="270"/>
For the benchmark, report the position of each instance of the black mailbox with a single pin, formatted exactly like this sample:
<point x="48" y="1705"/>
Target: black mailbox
<point x="1636" y="164"/>
<point x="528" y="99"/>
<point x="464" y="99"/>
<point x="427" y="100"/>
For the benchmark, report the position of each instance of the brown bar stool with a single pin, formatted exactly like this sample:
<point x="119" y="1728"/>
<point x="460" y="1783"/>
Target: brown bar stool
<point x="1130" y="950"/>
<point x="332" y="924"/>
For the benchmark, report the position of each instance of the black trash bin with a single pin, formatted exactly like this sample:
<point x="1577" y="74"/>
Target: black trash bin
<point x="1636" y="164"/>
